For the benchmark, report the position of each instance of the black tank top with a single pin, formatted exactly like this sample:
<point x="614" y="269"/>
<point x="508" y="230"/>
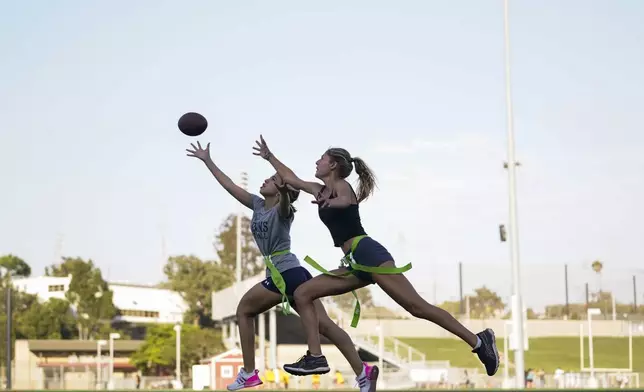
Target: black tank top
<point x="343" y="223"/>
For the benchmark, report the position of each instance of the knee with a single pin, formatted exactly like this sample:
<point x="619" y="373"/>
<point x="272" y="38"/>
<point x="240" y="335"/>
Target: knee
<point x="303" y="295"/>
<point x="244" y="310"/>
<point x="416" y="309"/>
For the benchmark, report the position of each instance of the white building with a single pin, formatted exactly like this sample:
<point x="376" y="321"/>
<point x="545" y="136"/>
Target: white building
<point x="137" y="303"/>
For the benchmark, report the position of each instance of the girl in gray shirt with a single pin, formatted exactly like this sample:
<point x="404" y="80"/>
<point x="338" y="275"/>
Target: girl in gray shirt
<point x="273" y="215"/>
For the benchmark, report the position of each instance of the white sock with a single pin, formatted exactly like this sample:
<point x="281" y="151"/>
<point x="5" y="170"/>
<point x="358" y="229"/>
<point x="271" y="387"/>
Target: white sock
<point x="478" y="343"/>
<point x="246" y="374"/>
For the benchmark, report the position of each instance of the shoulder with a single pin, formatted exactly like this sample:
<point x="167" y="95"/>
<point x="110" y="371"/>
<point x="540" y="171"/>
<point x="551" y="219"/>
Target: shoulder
<point x="258" y="202"/>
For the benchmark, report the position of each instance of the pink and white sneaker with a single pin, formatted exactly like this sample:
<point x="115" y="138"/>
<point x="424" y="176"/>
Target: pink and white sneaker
<point x="368" y="379"/>
<point x="245" y="380"/>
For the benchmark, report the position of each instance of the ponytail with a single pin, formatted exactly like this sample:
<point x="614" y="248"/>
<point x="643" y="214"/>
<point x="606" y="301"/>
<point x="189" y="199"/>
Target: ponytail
<point x="366" y="179"/>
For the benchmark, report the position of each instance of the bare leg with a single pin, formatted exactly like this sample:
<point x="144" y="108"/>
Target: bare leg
<point x="257" y="300"/>
<point x="319" y="287"/>
<point x="339" y="337"/>
<point x="400" y="290"/>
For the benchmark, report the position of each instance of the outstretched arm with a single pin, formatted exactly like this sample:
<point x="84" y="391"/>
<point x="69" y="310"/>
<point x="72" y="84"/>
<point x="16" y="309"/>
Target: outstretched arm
<point x="285" y="209"/>
<point x="284" y="171"/>
<point x="235" y="191"/>
<point x="343" y="199"/>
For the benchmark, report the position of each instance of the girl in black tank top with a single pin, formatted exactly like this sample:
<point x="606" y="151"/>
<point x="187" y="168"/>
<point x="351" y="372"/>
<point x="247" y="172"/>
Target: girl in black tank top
<point x="339" y="210"/>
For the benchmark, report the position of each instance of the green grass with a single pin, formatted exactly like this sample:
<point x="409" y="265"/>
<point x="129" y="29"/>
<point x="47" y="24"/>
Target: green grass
<point x="545" y="353"/>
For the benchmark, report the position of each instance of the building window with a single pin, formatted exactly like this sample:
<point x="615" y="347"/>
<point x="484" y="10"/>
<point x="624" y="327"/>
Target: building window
<point x="226" y="371"/>
<point x="139" y="313"/>
<point x="56" y="288"/>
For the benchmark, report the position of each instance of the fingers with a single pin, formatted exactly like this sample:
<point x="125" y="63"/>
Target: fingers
<point x="261" y="137"/>
<point x="208" y="146"/>
<point x="193" y="146"/>
<point x="199" y="145"/>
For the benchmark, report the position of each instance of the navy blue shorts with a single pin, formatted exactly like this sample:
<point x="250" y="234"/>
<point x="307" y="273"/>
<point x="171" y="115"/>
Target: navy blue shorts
<point x="293" y="278"/>
<point x="369" y="253"/>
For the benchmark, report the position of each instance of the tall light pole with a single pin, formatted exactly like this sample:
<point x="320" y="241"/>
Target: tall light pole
<point x="113" y="336"/>
<point x="517" y="303"/>
<point x="99" y="363"/>
<point x="177" y="331"/>
<point x="238" y="258"/>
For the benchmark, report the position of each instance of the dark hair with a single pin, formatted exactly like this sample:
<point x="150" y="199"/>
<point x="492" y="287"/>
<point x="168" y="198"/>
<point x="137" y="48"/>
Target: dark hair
<point x="293" y="194"/>
<point x="366" y="178"/>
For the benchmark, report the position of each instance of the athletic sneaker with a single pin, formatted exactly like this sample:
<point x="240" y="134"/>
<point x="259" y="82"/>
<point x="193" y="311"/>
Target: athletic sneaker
<point x="307" y="365"/>
<point x="367" y="380"/>
<point x="487" y="351"/>
<point x="245" y="380"/>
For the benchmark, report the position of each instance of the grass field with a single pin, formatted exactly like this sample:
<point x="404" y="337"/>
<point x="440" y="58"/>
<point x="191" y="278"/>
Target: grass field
<point x="545" y="353"/>
<point x="353" y="390"/>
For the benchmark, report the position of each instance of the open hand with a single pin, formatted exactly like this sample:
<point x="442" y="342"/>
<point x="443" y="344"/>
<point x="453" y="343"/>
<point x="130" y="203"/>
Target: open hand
<point x="281" y="186"/>
<point x="322" y="201"/>
<point x="198" y="152"/>
<point x="262" y="149"/>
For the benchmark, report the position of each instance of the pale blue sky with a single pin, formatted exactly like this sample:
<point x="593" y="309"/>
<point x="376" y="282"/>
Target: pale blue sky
<point x="90" y="93"/>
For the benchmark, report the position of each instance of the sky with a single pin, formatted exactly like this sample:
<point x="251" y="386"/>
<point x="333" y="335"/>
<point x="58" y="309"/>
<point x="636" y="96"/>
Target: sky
<point x="93" y="165"/>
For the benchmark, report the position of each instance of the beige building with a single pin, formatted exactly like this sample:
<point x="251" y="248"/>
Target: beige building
<point x="72" y="364"/>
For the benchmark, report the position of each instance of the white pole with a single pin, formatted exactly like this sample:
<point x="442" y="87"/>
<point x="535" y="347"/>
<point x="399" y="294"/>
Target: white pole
<point x="612" y="295"/>
<point x="591" y="358"/>
<point x="98" y="365"/>
<point x="581" y="347"/>
<point x="111" y="372"/>
<point x="630" y="346"/>
<point x="177" y="330"/>
<point x="262" y="343"/>
<point x="517" y="319"/>
<point x="506" y="360"/>
<point x="272" y="332"/>
<point x="381" y="345"/>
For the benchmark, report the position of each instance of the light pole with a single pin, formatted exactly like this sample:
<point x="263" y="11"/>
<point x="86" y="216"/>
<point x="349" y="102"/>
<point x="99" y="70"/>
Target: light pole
<point x="517" y="303"/>
<point x="177" y="330"/>
<point x="99" y="363"/>
<point x="113" y="336"/>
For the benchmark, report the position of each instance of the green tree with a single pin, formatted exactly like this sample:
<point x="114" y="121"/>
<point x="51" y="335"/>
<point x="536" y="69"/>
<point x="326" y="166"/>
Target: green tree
<point x="15" y="265"/>
<point x="158" y="353"/>
<point x="52" y="319"/>
<point x="88" y="293"/>
<point x="226" y="247"/>
<point x="347" y="301"/>
<point x="195" y="280"/>
<point x="485" y="303"/>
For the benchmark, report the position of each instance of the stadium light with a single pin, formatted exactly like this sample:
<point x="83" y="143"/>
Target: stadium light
<point x="517" y="319"/>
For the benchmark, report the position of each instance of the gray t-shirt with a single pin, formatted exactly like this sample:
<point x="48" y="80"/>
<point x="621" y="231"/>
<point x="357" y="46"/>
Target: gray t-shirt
<point x="272" y="234"/>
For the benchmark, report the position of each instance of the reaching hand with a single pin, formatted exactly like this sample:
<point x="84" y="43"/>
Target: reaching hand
<point x="322" y="201"/>
<point x="281" y="186"/>
<point x="198" y="152"/>
<point x="262" y="148"/>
